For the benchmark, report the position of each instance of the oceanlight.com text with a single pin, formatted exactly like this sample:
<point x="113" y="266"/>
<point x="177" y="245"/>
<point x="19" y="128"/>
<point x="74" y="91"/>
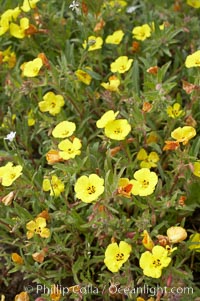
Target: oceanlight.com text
<point x="90" y="289"/>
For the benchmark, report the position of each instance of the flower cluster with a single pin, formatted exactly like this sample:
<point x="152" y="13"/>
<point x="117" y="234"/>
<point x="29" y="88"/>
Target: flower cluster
<point x="8" y="20"/>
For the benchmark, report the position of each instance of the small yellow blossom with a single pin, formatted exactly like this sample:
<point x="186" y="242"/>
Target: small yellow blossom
<point x="141" y="32"/>
<point x="93" y="43"/>
<point x="37" y="226"/>
<point x="23" y="296"/>
<point x="31" y="68"/>
<point x="115" y="38"/>
<point x="16" y="258"/>
<point x="64" y="129"/>
<point x="194" y="242"/>
<point x="148" y="161"/>
<point x="116" y="256"/>
<point x="28" y="4"/>
<point x="175" y="111"/>
<point x="9" y="173"/>
<point x="176" y="234"/>
<point x="107" y="117"/>
<point x="112" y="85"/>
<point x="194" y="3"/>
<point x="183" y="134"/>
<point x="88" y="189"/>
<point x="121" y="64"/>
<point x="117" y="3"/>
<point x="68" y="149"/>
<point x="31" y="120"/>
<point x="83" y="76"/>
<point x="117" y="129"/>
<point x="196" y="170"/>
<point x="55" y="293"/>
<point x="19" y="31"/>
<point x="193" y="60"/>
<point x="51" y="103"/>
<point x="147" y="241"/>
<point x="124" y="187"/>
<point x="8" y="57"/>
<point x="145" y="182"/>
<point x="55" y="185"/>
<point x="153" y="262"/>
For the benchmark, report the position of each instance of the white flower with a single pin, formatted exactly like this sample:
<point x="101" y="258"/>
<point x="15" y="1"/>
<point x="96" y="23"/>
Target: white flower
<point x="10" y="136"/>
<point x="74" y="5"/>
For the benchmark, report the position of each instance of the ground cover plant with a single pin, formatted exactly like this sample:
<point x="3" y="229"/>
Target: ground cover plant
<point x="100" y="165"/>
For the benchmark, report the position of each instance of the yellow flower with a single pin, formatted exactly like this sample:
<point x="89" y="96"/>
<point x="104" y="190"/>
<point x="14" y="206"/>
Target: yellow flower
<point x="124" y="187"/>
<point x="175" y="111"/>
<point x="37" y="226"/>
<point x="93" y="43"/>
<point x="31" y="120"/>
<point x="121" y="64"/>
<point x="117" y="3"/>
<point x="69" y="149"/>
<point x="116" y="256"/>
<point x="88" y="189"/>
<point x="55" y="293"/>
<point x="194" y="242"/>
<point x="19" y="31"/>
<point x="16" y="258"/>
<point x="23" y="296"/>
<point x="153" y="262"/>
<point x="52" y="103"/>
<point x="64" y="129"/>
<point x="112" y="85"/>
<point x="141" y="32"/>
<point x="55" y="185"/>
<point x="107" y="117"/>
<point x="28" y="4"/>
<point x="148" y="161"/>
<point x="176" y="234"/>
<point x="196" y="170"/>
<point x="31" y="68"/>
<point x="147" y="241"/>
<point x="193" y="60"/>
<point x="115" y="38"/>
<point x="183" y="134"/>
<point x="117" y="129"/>
<point x="144" y="183"/>
<point x="83" y="76"/>
<point x="8" y="57"/>
<point x="9" y="173"/>
<point x="7" y="17"/>
<point x="194" y="3"/>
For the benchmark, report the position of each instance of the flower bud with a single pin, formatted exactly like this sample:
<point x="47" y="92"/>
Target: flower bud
<point x="147" y="241"/>
<point x="176" y="234"/>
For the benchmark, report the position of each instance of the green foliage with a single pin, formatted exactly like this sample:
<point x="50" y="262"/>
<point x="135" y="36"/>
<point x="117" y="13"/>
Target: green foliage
<point x="72" y="257"/>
